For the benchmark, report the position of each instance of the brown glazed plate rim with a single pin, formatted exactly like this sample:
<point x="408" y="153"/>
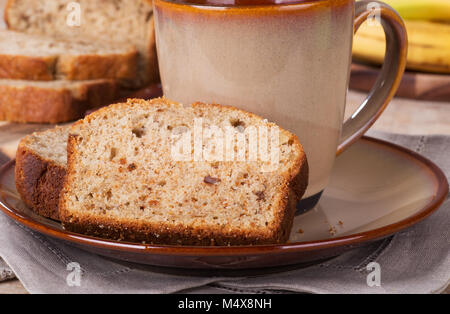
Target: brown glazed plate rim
<point x="441" y="192"/>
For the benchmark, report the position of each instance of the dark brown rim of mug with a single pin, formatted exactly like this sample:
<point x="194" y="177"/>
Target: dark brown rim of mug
<point x="269" y="3"/>
<point x="257" y="7"/>
<point x="441" y="192"/>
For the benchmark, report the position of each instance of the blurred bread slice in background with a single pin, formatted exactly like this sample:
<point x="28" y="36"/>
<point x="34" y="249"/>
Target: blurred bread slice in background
<point x="127" y="22"/>
<point x="35" y="57"/>
<point x="56" y="81"/>
<point x="52" y="101"/>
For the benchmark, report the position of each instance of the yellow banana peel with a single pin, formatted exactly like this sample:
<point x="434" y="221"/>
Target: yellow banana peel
<point x="437" y="10"/>
<point x="428" y="47"/>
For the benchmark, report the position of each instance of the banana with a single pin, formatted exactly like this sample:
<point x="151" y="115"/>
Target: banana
<point x="428" y="45"/>
<point x="422" y="9"/>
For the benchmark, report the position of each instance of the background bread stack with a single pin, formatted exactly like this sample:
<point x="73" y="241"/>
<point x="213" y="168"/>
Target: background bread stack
<point x="60" y="58"/>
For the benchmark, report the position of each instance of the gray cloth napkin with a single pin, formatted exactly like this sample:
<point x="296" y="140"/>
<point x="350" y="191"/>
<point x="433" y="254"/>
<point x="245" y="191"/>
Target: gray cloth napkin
<point x="416" y="260"/>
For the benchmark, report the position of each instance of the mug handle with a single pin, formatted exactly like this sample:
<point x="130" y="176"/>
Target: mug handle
<point x="391" y="72"/>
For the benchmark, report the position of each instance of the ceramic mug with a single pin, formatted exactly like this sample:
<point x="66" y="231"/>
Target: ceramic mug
<point x="288" y="61"/>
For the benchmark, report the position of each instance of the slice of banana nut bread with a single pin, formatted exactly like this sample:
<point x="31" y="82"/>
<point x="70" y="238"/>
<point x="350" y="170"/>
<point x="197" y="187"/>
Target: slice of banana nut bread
<point x="54" y="101"/>
<point x="117" y="21"/>
<point x="33" y="57"/>
<point x="41" y="161"/>
<point x="160" y="172"/>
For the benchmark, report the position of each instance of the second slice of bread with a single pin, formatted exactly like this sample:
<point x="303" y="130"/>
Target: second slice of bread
<point x="52" y="102"/>
<point x="41" y="161"/>
<point x="123" y="181"/>
<point x="34" y="57"/>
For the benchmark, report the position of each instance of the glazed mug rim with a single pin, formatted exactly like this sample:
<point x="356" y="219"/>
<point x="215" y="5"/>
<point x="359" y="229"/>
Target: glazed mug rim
<point x="211" y="6"/>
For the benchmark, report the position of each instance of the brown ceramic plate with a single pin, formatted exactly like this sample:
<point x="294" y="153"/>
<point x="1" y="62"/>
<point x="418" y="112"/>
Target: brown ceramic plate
<point x="376" y="190"/>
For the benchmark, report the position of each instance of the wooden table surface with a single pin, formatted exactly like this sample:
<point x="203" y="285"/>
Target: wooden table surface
<point x="402" y="116"/>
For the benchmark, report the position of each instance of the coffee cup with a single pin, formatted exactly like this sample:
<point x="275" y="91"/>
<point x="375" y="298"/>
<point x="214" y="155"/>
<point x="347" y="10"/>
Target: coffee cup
<point x="288" y="61"/>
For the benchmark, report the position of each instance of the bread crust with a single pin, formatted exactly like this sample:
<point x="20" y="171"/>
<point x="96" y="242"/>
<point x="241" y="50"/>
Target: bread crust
<point x="27" y="67"/>
<point x="37" y="104"/>
<point x="296" y="180"/>
<point x="122" y="67"/>
<point x="8" y="5"/>
<point x="39" y="181"/>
